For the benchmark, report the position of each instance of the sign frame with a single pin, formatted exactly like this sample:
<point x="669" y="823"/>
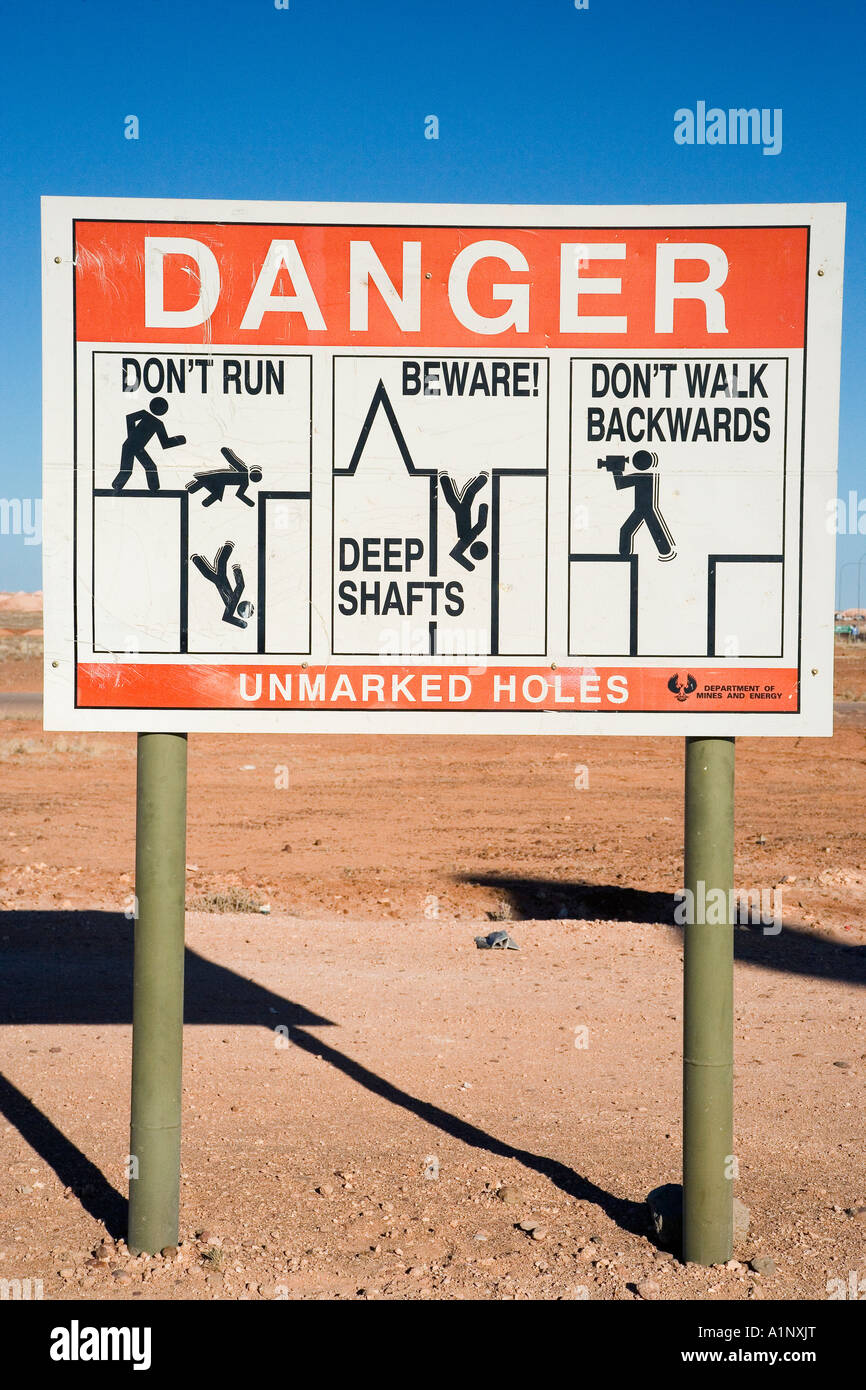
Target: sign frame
<point x="811" y="712"/>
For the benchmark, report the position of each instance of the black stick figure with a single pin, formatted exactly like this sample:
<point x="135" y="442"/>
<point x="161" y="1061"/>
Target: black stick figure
<point x="218" y="574"/>
<point x="460" y="502"/>
<point x="141" y="426"/>
<point x="237" y="475"/>
<point x="646" y="502"/>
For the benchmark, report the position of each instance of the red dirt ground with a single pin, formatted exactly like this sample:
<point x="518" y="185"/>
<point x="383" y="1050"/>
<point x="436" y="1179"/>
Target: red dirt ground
<point x="380" y="860"/>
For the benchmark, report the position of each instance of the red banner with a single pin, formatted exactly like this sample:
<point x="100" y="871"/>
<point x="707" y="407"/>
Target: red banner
<point x="453" y="688"/>
<point x="438" y="287"/>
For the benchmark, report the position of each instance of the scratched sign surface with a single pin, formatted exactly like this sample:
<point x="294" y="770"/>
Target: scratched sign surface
<point x="426" y="469"/>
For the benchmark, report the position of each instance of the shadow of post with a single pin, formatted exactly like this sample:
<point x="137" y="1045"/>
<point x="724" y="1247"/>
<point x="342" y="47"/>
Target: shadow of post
<point x="74" y="1169"/>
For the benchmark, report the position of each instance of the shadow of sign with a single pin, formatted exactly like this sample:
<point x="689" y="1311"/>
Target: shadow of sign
<point x="792" y="949"/>
<point x="76" y="968"/>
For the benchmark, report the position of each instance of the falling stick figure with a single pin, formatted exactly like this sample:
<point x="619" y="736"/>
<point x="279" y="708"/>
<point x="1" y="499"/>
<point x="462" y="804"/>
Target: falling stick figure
<point x="646" y="502"/>
<point x="235" y="611"/>
<point x="460" y="502"/>
<point x="141" y="426"/>
<point x="237" y="475"/>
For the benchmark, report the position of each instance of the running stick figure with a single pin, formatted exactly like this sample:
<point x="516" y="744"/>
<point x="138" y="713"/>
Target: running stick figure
<point x="646" y="502"/>
<point x="217" y="574"/>
<point x="468" y="531"/>
<point x="141" y="426"/>
<point x="237" y="475"/>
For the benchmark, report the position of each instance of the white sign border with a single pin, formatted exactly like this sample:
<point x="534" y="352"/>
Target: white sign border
<point x="820" y="421"/>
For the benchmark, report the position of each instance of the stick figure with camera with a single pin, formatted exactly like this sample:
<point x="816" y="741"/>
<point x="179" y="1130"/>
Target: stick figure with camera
<point x="646" y="501"/>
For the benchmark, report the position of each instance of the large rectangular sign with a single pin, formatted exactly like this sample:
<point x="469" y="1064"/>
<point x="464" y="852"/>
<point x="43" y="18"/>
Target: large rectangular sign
<point x="417" y="468"/>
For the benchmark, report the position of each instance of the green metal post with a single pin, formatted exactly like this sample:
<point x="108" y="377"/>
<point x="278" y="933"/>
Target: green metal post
<point x="157" y="1010"/>
<point x="708" y="1002"/>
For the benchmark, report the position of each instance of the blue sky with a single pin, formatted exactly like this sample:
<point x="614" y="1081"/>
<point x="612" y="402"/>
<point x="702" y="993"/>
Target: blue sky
<point x="537" y="102"/>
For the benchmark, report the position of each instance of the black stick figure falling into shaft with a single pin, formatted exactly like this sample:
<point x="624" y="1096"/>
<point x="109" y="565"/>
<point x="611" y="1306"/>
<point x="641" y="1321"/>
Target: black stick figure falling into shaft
<point x="235" y="611"/>
<point x="646" y="501"/>
<point x="461" y="502"/>
<point x="238" y="475"/>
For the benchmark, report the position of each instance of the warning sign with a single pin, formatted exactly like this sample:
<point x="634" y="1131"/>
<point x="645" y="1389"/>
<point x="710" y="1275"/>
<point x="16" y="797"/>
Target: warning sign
<point x="681" y="466"/>
<point x="440" y="506"/>
<point x="201" y="503"/>
<point x="464" y="469"/>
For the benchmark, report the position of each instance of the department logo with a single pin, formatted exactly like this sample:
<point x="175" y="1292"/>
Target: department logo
<point x="682" y="690"/>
